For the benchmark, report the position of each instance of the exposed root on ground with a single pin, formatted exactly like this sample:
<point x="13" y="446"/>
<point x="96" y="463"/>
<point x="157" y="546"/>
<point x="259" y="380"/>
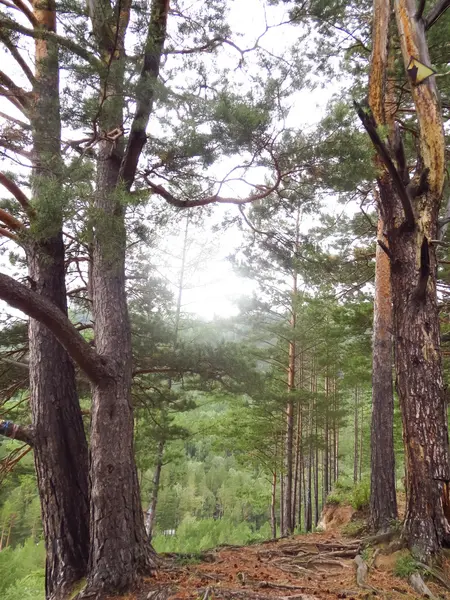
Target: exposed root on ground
<point x="319" y="566"/>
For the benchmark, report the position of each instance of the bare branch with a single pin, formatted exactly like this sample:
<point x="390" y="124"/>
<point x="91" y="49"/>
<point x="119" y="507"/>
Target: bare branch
<point x="18" y="58"/>
<point x="16" y="149"/>
<point x="16" y="121"/>
<point x="6" y="233"/>
<point x="15" y="190"/>
<point x="11" y="97"/>
<point x="26" y="11"/>
<point x="436" y="13"/>
<point x="11" y="221"/>
<point x="37" y="307"/>
<point x="17" y="432"/>
<point x="19" y="93"/>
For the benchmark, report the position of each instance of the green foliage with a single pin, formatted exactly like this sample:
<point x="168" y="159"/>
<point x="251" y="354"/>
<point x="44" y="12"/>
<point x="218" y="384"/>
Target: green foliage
<point x="405" y="566"/>
<point x="360" y="497"/>
<point x="22" y="571"/>
<point x="194" y="535"/>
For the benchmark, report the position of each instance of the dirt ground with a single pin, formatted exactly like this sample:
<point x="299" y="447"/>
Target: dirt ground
<point x="305" y="567"/>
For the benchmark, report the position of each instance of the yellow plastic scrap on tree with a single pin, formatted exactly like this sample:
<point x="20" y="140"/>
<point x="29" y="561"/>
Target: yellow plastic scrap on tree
<point x="418" y="72"/>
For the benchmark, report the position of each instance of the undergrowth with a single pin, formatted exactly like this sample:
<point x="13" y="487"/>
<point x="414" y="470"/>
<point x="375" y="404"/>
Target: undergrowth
<point x="358" y="496"/>
<point x="405" y="566"/>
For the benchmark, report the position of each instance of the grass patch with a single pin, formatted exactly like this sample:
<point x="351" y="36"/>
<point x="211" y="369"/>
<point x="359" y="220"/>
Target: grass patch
<point x="405" y="566"/>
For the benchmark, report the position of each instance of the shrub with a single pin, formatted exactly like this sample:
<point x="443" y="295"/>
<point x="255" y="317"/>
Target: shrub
<point x="405" y="566"/>
<point x="360" y="497"/>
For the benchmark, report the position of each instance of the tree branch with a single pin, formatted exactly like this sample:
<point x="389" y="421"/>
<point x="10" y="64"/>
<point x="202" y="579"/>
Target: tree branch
<point x="436" y="13"/>
<point x="16" y="121"/>
<point x="35" y="306"/>
<point x="420" y="9"/>
<point x="16" y="149"/>
<point x="18" y="58"/>
<point x="368" y="121"/>
<point x="154" y="44"/>
<point x="170" y="198"/>
<point x="27" y="12"/>
<point x="5" y="233"/>
<point x="7" y="94"/>
<point x="11" y="221"/>
<point x="17" y="432"/>
<point x="44" y="34"/>
<point x="15" y="363"/>
<point x="15" y="190"/>
<point x="19" y="93"/>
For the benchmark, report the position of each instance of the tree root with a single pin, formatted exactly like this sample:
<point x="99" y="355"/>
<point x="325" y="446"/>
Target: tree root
<point x="435" y="573"/>
<point x="420" y="587"/>
<point x="362" y="572"/>
<point x="247" y="595"/>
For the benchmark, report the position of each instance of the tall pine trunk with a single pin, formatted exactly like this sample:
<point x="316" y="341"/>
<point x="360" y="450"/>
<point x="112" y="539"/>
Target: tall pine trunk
<point x="273" y="506"/>
<point x="60" y="447"/>
<point x="356" y="438"/>
<point x="383" y="501"/>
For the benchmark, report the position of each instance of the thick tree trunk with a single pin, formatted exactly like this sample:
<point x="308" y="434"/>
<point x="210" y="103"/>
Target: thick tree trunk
<point x="416" y="317"/>
<point x="420" y="390"/>
<point x="151" y="511"/>
<point x="60" y="447"/>
<point x="120" y="550"/>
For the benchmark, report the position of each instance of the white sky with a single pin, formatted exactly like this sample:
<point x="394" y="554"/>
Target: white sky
<point x="213" y="289"/>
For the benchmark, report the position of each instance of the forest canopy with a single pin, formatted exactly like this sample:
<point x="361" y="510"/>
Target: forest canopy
<point x="157" y="158"/>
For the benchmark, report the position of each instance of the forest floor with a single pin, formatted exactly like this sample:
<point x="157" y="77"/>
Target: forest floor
<point x="303" y="567"/>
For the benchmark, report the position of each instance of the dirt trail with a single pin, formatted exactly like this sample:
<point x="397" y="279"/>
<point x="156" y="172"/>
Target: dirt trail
<point x="305" y="567"/>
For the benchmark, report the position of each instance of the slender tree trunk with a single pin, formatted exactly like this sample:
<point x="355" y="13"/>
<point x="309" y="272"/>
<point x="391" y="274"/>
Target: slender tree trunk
<point x="287" y="505"/>
<point x="361" y="441"/>
<point x="298" y="449"/>
<point x="316" y="472"/>
<point x="336" y="433"/>
<point x="355" y="451"/>
<point x="282" y="504"/>
<point x="60" y="448"/>
<point x="326" y="481"/>
<point x="301" y="479"/>
<point x="151" y="512"/>
<point x="383" y="501"/>
<point x="273" y="502"/>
